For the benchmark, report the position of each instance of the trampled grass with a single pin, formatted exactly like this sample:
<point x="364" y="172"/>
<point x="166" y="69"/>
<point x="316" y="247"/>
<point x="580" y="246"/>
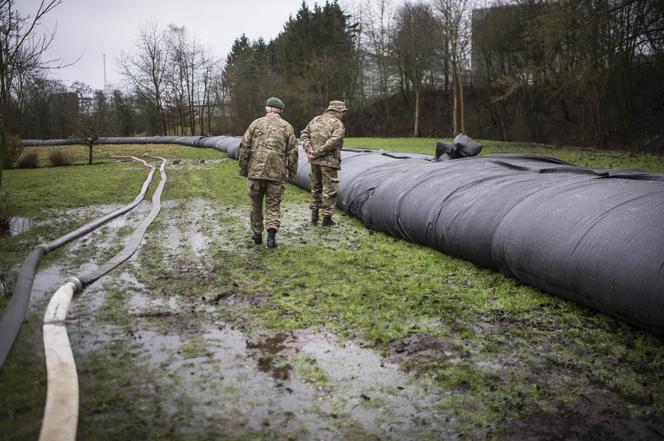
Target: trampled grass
<point x="496" y="351"/>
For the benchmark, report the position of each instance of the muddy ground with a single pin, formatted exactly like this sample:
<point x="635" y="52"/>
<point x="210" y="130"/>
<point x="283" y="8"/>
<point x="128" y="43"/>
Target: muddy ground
<point x="171" y="345"/>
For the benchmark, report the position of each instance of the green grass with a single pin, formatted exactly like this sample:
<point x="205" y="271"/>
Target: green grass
<point x="306" y="367"/>
<point x="194" y="347"/>
<point x="585" y="157"/>
<point x="509" y="349"/>
<point x="105" y="152"/>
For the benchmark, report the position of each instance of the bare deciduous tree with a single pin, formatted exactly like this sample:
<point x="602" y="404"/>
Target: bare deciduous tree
<point x="22" y="51"/>
<point x="455" y="20"/>
<point x="380" y="19"/>
<point x="146" y="71"/>
<point x="204" y="91"/>
<point x="414" y="45"/>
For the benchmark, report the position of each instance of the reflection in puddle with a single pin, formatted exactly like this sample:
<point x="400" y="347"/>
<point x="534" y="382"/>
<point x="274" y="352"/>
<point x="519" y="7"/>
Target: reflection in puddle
<point x="50" y="279"/>
<point x="18" y="224"/>
<point x="199" y="241"/>
<point x="139" y="302"/>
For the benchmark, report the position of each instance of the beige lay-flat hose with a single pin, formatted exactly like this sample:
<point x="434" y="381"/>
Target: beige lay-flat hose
<point x="61" y="412"/>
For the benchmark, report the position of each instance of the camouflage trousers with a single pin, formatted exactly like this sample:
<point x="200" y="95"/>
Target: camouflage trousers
<point x="272" y="192"/>
<point x="324" y="188"/>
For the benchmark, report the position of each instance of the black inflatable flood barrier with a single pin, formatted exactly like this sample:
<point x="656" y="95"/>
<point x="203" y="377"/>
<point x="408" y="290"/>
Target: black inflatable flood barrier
<point x="592" y="236"/>
<point x="595" y="237"/>
<point x="227" y="144"/>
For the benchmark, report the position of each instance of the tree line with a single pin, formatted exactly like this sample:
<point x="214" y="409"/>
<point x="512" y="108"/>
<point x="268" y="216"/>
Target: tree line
<point x="583" y="72"/>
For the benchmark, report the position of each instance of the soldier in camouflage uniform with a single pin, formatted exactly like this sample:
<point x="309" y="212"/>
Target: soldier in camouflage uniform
<point x="268" y="155"/>
<point x="322" y="140"/>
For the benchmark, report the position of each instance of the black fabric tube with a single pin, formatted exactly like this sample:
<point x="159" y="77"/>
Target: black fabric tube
<point x="227" y="144"/>
<point x="593" y="236"/>
<point x="18" y="305"/>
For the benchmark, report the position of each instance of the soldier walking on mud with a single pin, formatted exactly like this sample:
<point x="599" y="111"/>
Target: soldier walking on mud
<point x="322" y="140"/>
<point x="268" y="155"/>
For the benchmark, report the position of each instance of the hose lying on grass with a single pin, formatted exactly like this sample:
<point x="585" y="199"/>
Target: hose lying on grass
<point x="226" y="144"/>
<point x="595" y="237"/>
<point x="18" y="305"/>
<point x="61" y="410"/>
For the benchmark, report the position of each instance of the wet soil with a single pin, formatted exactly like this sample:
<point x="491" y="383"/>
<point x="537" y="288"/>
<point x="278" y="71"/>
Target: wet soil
<point x="592" y="417"/>
<point x="209" y="375"/>
<point x="265" y="380"/>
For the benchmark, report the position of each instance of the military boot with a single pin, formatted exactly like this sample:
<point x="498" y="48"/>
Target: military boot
<point x="257" y="238"/>
<point x="314" y="216"/>
<point x="327" y="221"/>
<point x="271" y="239"/>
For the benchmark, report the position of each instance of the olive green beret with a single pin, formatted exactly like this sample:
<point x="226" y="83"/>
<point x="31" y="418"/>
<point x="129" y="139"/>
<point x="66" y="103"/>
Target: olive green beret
<point x="275" y="102"/>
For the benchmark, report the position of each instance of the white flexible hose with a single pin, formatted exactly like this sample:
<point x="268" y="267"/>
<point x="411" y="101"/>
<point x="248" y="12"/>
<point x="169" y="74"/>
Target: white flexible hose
<point x="61" y="412"/>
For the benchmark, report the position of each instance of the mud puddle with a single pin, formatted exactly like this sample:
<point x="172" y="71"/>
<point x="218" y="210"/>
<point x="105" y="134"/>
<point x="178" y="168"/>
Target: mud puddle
<point x="49" y="279"/>
<point x="112" y="234"/>
<point x="304" y="384"/>
<point x="200" y="228"/>
<point x="189" y="231"/>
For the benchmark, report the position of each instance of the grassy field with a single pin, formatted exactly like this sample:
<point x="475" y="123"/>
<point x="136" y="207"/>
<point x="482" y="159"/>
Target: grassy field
<point x="583" y="157"/>
<point x="477" y="354"/>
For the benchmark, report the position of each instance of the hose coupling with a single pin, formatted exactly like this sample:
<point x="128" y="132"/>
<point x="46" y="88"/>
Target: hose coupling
<point x="77" y="284"/>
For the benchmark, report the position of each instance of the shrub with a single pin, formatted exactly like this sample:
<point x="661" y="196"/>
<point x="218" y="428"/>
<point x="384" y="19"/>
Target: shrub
<point x="59" y="158"/>
<point x="28" y="161"/>
<point x="14" y="149"/>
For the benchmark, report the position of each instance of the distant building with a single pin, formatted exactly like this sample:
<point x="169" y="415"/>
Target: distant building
<point x="108" y="92"/>
<point x="371" y="78"/>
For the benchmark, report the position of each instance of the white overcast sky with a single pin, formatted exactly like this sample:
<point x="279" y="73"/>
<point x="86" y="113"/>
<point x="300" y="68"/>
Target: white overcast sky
<point x="91" y="28"/>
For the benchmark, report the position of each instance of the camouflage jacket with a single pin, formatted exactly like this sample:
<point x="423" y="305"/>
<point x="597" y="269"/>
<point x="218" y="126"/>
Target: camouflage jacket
<point x="269" y="150"/>
<point x="324" y="137"/>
